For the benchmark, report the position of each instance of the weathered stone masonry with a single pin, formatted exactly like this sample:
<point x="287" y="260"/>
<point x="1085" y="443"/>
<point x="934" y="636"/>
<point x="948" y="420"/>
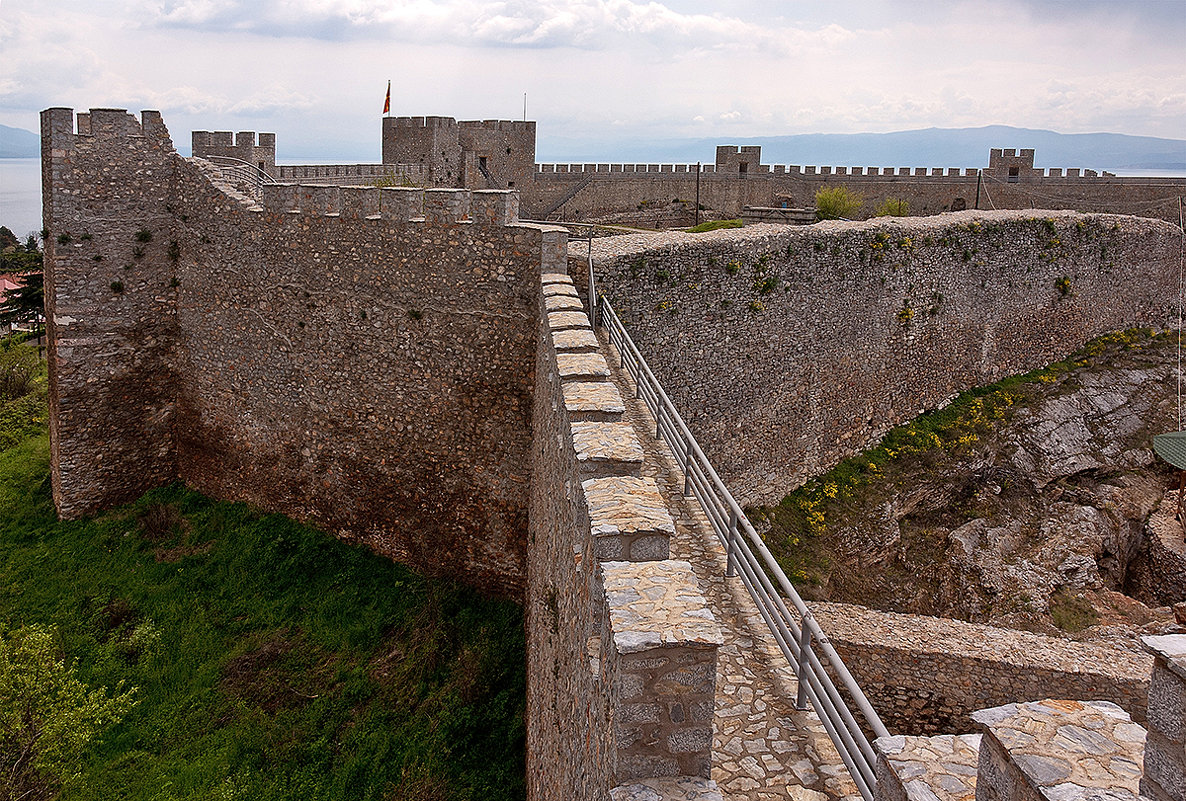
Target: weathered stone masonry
<point x="791" y="348"/>
<point x="334" y="356"/>
<point x="390" y="365"/>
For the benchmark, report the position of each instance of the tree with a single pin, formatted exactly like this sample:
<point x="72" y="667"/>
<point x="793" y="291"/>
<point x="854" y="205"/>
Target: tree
<point x="26" y="303"/>
<point x="836" y="202"/>
<point x="47" y="715"/>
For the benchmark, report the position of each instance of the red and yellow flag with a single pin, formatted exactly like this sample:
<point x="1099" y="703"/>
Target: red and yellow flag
<point x="387" y="102"/>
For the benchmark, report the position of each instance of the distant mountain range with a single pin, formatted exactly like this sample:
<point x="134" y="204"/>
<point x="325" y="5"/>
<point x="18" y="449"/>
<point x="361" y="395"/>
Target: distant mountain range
<point x="17" y="143"/>
<point x="928" y="147"/>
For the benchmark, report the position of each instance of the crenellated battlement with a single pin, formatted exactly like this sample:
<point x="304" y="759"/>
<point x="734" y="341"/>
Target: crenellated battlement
<point x="259" y="150"/>
<point x="394" y="204"/>
<point x="102" y="124"/>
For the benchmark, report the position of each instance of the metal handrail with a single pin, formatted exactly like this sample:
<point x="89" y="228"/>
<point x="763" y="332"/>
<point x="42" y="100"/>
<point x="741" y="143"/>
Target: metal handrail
<point x="804" y="644"/>
<point x="234" y="169"/>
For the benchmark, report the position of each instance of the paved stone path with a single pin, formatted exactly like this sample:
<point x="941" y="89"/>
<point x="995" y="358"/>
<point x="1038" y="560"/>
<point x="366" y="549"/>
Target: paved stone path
<point x="763" y="749"/>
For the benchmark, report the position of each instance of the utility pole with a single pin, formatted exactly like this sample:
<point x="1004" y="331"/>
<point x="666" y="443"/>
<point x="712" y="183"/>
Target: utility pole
<point x="697" y="193"/>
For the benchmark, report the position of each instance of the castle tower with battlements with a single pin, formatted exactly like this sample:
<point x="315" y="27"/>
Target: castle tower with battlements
<point x="472" y="154"/>
<point x="243" y="146"/>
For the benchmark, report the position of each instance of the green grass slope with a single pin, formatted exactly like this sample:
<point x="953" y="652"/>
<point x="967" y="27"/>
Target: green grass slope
<point x="269" y="660"/>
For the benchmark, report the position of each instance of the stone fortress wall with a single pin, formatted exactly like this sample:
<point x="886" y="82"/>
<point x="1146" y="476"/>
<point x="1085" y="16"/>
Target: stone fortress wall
<point x="738" y="179"/>
<point x="790" y="348"/>
<point x="927" y="675"/>
<point x="245" y="146"/>
<point x="500" y="154"/>
<point x="391" y="366"/>
<point x="359" y="359"/>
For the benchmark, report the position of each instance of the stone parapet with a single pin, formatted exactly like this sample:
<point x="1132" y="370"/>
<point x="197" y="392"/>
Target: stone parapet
<point x="1059" y="751"/>
<point x="582" y="366"/>
<point x="928" y="674"/>
<point x="941" y="768"/>
<point x="592" y="401"/>
<point x="360" y="201"/>
<point x="628" y="519"/>
<point x="557" y="303"/>
<point x="676" y="788"/>
<point x="661" y="641"/>
<point x="1165" y="749"/>
<point x="446" y="206"/>
<point x="606" y="449"/>
<point x="494" y="207"/>
<point x="401" y="204"/>
<point x="576" y="341"/>
<point x="559" y="321"/>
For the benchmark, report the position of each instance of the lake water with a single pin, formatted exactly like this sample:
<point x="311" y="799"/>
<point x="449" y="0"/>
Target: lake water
<point x="20" y="195"/>
<point x="20" y="191"/>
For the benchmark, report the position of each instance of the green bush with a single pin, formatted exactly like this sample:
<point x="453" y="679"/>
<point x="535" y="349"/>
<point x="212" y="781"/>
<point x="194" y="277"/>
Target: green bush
<point x="48" y="716"/>
<point x="713" y="225"/>
<point x="20" y="369"/>
<point x="892" y="207"/>
<point x="836" y="202"/>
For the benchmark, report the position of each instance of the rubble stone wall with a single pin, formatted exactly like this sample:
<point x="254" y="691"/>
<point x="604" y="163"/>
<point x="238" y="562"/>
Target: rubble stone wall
<point x="790" y="348"/>
<point x="371" y="373"/>
<point x="926" y="675"/>
<point x="111" y="305"/>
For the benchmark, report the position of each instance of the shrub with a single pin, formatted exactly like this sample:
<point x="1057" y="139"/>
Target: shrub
<point x="836" y="202"/>
<point x="713" y="225"/>
<point x="47" y="715"/>
<point x="892" y="207"/>
<point x="20" y="368"/>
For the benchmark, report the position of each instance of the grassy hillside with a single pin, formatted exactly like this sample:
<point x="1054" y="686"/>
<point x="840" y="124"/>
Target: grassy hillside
<point x="268" y="660"/>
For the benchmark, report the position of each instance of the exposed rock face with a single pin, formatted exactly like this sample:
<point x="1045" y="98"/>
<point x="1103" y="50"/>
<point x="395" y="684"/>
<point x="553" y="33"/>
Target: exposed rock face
<point x="1041" y="524"/>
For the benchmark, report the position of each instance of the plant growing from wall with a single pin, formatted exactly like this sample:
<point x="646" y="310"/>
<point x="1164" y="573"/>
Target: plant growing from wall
<point x="144" y="236"/>
<point x="906" y="313"/>
<point x="733" y="267"/>
<point x="836" y="202"/>
<point x="757" y="306"/>
<point x="764" y="285"/>
<point x="117" y="286"/>
<point x="1063" y="285"/>
<point x="892" y="207"/>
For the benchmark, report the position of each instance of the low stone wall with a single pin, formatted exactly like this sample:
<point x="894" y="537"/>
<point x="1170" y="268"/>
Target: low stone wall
<point x="790" y="348"/>
<point x="926" y="675"/>
<point x="1164" y="776"/>
<point x="621" y="657"/>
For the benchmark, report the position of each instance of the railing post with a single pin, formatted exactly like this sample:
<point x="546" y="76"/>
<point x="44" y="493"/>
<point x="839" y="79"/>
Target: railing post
<point x="687" y="465"/>
<point x="730" y="545"/>
<point x="804" y="662"/>
<point x="658" y="419"/>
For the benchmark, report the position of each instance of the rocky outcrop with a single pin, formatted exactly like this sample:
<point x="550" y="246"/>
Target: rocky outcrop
<point x="1041" y="522"/>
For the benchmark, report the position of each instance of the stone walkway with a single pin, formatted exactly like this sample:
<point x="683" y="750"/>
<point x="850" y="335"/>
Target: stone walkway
<point x="763" y="749"/>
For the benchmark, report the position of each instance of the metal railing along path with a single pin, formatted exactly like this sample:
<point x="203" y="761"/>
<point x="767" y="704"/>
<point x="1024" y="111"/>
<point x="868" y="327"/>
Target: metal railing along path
<point x="241" y="172"/>
<point x="799" y="637"/>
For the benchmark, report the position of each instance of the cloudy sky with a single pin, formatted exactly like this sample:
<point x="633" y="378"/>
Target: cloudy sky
<point x="315" y="71"/>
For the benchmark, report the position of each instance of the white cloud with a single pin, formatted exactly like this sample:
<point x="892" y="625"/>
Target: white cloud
<point x="314" y="71"/>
